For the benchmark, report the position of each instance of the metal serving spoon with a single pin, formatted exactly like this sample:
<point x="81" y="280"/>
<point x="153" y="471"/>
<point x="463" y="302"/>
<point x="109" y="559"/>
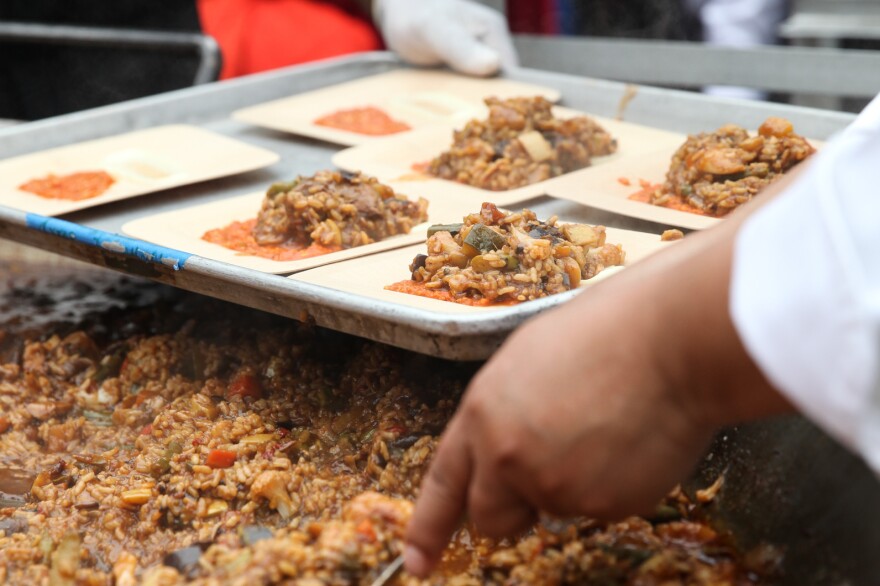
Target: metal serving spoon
<point x="390" y="572"/>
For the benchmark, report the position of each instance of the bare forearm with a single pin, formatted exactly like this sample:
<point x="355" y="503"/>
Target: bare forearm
<point x="690" y="324"/>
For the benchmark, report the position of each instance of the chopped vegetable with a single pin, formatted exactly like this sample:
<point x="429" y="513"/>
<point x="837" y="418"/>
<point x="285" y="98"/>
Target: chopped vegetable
<point x="186" y="560"/>
<point x="99" y="418"/>
<point x="110" y="365"/>
<point x="10" y="525"/>
<point x="536" y="146"/>
<point x="204" y="405"/>
<point x="271" y="485"/>
<point x="95" y="461"/>
<point x="365" y="528"/>
<point x="217" y="507"/>
<point x="671" y="235"/>
<point x="254" y="533"/>
<point x="583" y="235"/>
<point x="708" y="494"/>
<point x="665" y="514"/>
<point x="418" y="262"/>
<point x="451" y="228"/>
<point x="15" y="484"/>
<point x="65" y="561"/>
<point x="482" y="238"/>
<point x="45" y="410"/>
<point x="220" y="459"/>
<point x="137" y="496"/>
<point x="245" y="385"/>
<point x="257" y="439"/>
<point x="281" y="187"/>
<point x="12" y="500"/>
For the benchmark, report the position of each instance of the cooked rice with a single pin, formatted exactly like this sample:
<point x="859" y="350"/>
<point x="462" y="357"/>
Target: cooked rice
<point x="109" y="443"/>
<point x="497" y="153"/>
<point x="718" y="171"/>
<point x="335" y="209"/>
<point x="531" y="259"/>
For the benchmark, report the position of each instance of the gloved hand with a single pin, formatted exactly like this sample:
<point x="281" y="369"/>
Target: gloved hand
<point x="468" y="37"/>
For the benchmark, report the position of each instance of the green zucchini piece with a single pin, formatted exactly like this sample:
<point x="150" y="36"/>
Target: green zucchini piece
<point x="484" y="238"/>
<point x="451" y="228"/>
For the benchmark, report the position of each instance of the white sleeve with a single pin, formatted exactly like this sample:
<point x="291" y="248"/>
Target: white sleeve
<point x="805" y="288"/>
<point x="741" y="23"/>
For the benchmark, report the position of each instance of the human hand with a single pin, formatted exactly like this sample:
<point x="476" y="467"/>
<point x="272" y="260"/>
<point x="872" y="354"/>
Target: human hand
<point x="468" y="37"/>
<point x="599" y="407"/>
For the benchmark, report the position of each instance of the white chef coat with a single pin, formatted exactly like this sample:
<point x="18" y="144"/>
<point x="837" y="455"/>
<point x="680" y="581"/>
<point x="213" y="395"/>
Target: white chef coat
<point x="805" y="288"/>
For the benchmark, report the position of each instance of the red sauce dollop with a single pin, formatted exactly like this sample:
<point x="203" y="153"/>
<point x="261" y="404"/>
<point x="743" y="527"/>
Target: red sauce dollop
<point x="411" y="287"/>
<point x="238" y="236"/>
<point x="370" y="121"/>
<point x="673" y="202"/>
<point x="74" y="187"/>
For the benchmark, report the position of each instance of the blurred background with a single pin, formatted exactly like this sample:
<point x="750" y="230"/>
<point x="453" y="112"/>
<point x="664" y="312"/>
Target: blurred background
<point x="59" y="57"/>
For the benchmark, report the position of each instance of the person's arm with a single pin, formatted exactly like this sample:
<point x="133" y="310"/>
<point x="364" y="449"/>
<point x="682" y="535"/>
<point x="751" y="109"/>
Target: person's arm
<point x="599" y="407"/>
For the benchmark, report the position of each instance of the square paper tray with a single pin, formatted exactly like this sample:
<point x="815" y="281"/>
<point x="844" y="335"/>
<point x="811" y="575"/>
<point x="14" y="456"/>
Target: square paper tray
<point x="608" y="187"/>
<point x="368" y="277"/>
<point x="140" y="162"/>
<point x="605" y="188"/>
<point x="417" y="97"/>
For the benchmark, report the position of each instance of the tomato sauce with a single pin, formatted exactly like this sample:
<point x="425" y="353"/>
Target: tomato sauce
<point x="370" y="121"/>
<point x="411" y="287"/>
<point x="673" y="202"/>
<point x="238" y="236"/>
<point x="73" y="187"/>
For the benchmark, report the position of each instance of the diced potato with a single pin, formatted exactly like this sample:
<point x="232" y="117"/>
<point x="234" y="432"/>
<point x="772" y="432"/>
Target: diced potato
<point x="571" y="268"/>
<point x="536" y="146"/>
<point x="137" y="496"/>
<point x="584" y="235"/>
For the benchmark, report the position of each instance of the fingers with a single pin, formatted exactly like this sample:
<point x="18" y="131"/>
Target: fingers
<point x="441" y="503"/>
<point x="457" y="47"/>
<point x="496" y="36"/>
<point x="468" y="37"/>
<point x="495" y="508"/>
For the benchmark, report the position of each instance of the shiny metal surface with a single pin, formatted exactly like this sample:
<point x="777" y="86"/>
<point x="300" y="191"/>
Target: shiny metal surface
<point x="390" y="572"/>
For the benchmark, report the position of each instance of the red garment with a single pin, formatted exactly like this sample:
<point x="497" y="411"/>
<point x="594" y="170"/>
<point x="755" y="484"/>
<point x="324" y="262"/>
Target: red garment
<point x="258" y="35"/>
<point x="533" y="16"/>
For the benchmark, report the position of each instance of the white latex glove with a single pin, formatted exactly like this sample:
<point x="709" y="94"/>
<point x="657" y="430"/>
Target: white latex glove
<point x="466" y="36"/>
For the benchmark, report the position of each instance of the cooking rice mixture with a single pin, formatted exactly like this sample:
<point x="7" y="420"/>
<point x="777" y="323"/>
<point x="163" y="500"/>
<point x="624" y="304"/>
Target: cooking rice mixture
<point x="520" y="143"/>
<point x="167" y="439"/>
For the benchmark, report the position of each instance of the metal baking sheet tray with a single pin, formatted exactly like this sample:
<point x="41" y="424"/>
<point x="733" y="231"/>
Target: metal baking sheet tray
<point x="94" y="235"/>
